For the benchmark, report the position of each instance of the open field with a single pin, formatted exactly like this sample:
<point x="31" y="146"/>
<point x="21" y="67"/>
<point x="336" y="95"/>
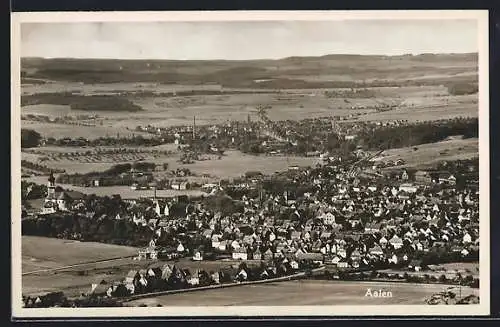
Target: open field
<point x="235" y="164"/>
<point x="77" y="280"/>
<point x="44" y="252"/>
<point x="303" y="292"/>
<point x="88" y="160"/>
<point x="209" y="109"/>
<point x="41" y="253"/>
<point x="232" y="164"/>
<point x="50" y="110"/>
<point x="72" y="167"/>
<point x="427" y="154"/>
<point x="75" y="131"/>
<point x="425" y="113"/>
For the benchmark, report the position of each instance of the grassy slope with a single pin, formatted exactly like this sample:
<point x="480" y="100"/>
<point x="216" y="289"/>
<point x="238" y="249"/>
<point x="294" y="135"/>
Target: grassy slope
<point x="427" y="154"/>
<point x="53" y="252"/>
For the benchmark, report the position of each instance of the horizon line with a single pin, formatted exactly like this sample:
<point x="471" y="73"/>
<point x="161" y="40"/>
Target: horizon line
<point x="260" y="59"/>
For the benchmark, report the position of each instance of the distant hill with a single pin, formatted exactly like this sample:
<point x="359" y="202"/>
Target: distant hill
<point x="328" y="71"/>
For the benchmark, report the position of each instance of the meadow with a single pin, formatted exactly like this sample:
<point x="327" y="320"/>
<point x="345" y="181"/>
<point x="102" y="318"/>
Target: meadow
<point x="232" y="164"/>
<point x="425" y="155"/>
<point x="57" y="130"/>
<point x="235" y="164"/>
<point x="292" y="293"/>
<point x="43" y="252"/>
<point x="47" y="264"/>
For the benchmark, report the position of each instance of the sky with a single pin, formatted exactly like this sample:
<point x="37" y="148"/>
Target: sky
<point x="246" y="40"/>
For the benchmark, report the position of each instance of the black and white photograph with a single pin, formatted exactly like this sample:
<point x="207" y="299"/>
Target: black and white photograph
<point x="250" y="163"/>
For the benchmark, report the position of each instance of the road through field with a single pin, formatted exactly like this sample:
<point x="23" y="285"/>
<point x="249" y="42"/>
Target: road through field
<point x="75" y="265"/>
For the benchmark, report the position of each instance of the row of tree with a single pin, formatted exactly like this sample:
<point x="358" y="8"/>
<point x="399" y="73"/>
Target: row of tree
<point x="134" y="140"/>
<point x="32" y="191"/>
<point x="40" y="168"/>
<point x="111" y="176"/>
<point x="463" y="88"/>
<point x="82" y="102"/>
<point x="467" y="280"/>
<point x="421" y="133"/>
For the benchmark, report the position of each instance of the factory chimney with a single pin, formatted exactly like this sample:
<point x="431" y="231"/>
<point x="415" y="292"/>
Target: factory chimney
<point x="194" y="128"/>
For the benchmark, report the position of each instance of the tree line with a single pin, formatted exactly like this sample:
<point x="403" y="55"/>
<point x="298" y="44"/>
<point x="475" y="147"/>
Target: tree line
<point x="30" y="138"/>
<point x="134" y="140"/>
<point x="462" y="88"/>
<point x="40" y="168"/>
<point x="82" y="102"/>
<point x="111" y="176"/>
<point x="416" y="134"/>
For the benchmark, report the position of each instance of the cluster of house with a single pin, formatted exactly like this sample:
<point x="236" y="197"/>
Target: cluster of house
<point x="172" y="277"/>
<point x="44" y="300"/>
<point x="343" y="221"/>
<point x="273" y="136"/>
<point x="349" y="224"/>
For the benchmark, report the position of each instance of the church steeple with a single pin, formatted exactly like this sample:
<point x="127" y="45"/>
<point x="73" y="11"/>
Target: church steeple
<point x="52" y="179"/>
<point x="51" y="185"/>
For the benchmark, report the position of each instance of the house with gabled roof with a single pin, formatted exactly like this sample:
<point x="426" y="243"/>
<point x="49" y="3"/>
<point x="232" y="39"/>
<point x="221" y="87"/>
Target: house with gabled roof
<point x="240" y="253"/>
<point x="344" y="264"/>
<point x="372" y="227"/>
<point x="268" y="254"/>
<point x="257" y="255"/>
<point x="314" y="257"/>
<point x="341" y="252"/>
<point x="415" y="265"/>
<point x="295" y="235"/>
<point x="467" y="238"/>
<point x="166" y="271"/>
<point x="376" y="250"/>
<point x="223" y="245"/>
<point x="99" y="288"/>
<point x="325" y="235"/>
<point x="417" y="245"/>
<point x="333" y="260"/>
<point x="355" y="255"/>
<point x="396" y="242"/>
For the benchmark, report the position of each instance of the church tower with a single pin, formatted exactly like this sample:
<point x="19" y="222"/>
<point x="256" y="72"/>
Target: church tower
<point x="51" y="185"/>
